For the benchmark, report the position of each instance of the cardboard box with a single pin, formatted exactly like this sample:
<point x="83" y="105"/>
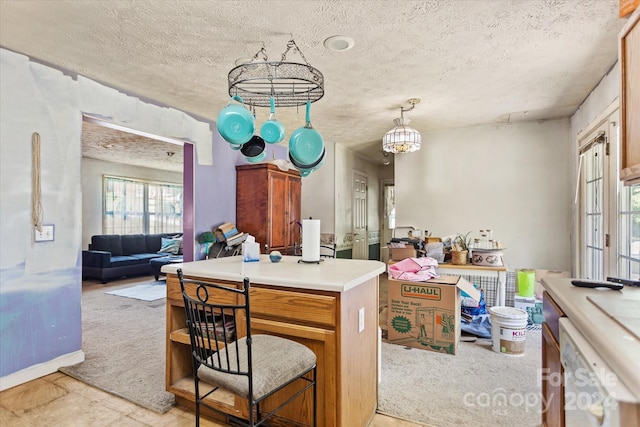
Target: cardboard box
<point x="426" y="315"/>
<point x="533" y="307"/>
<point x="398" y="254"/>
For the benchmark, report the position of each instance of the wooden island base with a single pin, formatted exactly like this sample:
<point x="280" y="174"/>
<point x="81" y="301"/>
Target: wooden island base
<point x="325" y="320"/>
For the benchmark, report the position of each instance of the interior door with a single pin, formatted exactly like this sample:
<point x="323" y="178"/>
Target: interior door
<point x="360" y="248"/>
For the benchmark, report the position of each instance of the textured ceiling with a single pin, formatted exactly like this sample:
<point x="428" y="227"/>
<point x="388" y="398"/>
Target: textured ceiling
<point x="470" y="62"/>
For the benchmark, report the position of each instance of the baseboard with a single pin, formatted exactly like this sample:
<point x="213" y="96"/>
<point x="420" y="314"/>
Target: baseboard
<point x="40" y="370"/>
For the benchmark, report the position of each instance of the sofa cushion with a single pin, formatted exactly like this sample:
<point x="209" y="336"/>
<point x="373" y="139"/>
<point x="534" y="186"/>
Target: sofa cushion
<point x="133" y="244"/>
<point x="154" y="242"/>
<point x="123" y="260"/>
<point x="171" y="246"/>
<point x="108" y="243"/>
<point x="147" y="256"/>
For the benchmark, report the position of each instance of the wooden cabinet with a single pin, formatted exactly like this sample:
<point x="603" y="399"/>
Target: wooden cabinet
<point x="552" y="371"/>
<point x="268" y="204"/>
<point x="629" y="55"/>
<point x="327" y="322"/>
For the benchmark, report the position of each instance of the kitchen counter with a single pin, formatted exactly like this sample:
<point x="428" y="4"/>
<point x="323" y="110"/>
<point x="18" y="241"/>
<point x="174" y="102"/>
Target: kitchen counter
<point x="332" y="274"/>
<point x="617" y="345"/>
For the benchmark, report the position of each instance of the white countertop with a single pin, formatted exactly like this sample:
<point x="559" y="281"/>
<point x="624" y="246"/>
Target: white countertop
<point x="332" y="274"/>
<point x="619" y="348"/>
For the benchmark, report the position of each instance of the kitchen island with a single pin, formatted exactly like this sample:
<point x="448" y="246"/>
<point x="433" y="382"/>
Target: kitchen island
<point x="318" y="305"/>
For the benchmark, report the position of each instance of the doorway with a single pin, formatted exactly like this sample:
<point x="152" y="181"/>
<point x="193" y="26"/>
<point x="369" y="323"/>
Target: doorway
<point x="359" y="218"/>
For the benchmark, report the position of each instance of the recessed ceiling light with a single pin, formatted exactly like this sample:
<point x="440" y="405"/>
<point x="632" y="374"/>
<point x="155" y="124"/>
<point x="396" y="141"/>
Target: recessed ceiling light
<point x="339" y="43"/>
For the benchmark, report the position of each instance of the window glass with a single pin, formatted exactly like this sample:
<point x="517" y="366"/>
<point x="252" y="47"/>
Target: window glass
<point x="629" y="232"/>
<point x="138" y="207"/>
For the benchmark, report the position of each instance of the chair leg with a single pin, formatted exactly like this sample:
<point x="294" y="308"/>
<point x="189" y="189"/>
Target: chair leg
<point x="197" y="393"/>
<point x="315" y="399"/>
<point x="251" y="419"/>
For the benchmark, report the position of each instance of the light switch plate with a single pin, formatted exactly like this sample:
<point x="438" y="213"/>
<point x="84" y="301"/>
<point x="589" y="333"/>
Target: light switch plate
<point x="46" y="235"/>
<point x="361" y="320"/>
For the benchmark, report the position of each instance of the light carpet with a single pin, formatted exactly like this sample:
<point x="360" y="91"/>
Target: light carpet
<point x="476" y="387"/>
<point x="123" y="341"/>
<point x="151" y="291"/>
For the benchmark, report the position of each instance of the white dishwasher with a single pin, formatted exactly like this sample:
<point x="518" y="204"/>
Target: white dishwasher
<point x="594" y="395"/>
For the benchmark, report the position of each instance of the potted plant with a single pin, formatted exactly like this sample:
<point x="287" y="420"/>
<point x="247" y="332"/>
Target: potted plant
<point x="207" y="238"/>
<point x="460" y="249"/>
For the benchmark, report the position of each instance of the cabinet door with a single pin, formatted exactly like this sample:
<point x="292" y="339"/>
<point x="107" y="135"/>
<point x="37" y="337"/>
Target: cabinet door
<point x="293" y="211"/>
<point x="278" y="205"/>
<point x="629" y="53"/>
<point x="552" y="381"/>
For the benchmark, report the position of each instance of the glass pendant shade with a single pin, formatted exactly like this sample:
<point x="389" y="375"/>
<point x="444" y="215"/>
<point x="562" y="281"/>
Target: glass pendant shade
<point x="402" y="138"/>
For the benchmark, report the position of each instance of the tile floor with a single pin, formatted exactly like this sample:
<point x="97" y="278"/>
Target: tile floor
<point x="59" y="400"/>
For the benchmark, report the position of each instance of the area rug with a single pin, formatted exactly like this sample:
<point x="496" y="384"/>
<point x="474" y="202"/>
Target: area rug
<point x="123" y="340"/>
<point x="151" y="291"/>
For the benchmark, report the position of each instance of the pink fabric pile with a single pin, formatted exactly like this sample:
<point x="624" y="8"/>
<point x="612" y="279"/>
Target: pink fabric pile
<point x="414" y="269"/>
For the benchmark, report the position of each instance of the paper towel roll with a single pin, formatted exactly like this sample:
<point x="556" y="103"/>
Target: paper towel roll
<point x="311" y="240"/>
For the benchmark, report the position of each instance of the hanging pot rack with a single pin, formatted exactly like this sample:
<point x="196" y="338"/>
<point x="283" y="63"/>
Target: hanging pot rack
<point x="290" y="83"/>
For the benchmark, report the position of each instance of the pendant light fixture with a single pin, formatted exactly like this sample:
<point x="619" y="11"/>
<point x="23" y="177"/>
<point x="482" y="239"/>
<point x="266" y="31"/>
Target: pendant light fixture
<point x="402" y="138"/>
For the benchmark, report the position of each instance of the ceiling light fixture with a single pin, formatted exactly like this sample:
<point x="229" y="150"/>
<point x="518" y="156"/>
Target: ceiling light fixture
<point x="402" y="138"/>
<point x="289" y="83"/>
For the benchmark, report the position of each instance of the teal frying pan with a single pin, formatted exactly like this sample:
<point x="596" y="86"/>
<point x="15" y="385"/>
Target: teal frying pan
<point x="305" y="143"/>
<point x="272" y="131"/>
<point x="235" y="123"/>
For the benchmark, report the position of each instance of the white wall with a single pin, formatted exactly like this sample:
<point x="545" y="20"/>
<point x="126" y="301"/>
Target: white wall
<point x="513" y="179"/>
<point x="317" y="192"/>
<point x="607" y="91"/>
<point x="92" y="172"/>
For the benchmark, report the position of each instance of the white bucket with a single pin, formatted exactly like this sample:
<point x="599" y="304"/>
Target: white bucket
<point x="508" y="330"/>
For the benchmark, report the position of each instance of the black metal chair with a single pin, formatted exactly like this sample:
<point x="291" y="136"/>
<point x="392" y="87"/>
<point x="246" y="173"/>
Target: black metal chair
<point x="328" y="250"/>
<point x="253" y="366"/>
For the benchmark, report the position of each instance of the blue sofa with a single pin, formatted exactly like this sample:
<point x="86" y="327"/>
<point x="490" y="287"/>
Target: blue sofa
<point x="115" y="256"/>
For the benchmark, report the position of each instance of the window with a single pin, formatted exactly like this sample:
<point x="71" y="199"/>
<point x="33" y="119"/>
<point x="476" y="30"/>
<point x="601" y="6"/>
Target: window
<point x="628" y="258"/>
<point x="609" y="210"/>
<point x="133" y="206"/>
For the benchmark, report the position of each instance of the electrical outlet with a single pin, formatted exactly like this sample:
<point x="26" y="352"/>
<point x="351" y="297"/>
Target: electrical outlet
<point x="361" y="320"/>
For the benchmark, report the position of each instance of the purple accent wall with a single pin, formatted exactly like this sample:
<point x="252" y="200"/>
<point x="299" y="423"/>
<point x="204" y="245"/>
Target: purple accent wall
<point x="214" y="192"/>
<point x="214" y="195"/>
<point x="187" y="207"/>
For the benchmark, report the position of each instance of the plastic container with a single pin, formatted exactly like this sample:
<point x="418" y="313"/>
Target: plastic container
<point x="526" y="282"/>
<point x="508" y="330"/>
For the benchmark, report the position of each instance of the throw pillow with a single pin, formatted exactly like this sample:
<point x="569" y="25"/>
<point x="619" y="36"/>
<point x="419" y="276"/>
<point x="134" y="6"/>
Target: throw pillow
<point x="171" y="246"/>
